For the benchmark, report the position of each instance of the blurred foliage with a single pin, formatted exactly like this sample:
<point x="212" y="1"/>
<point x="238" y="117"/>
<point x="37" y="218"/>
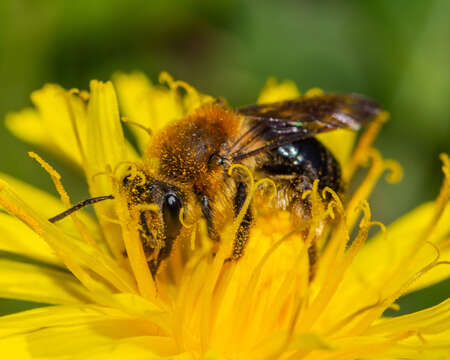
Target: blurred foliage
<point x="394" y="51"/>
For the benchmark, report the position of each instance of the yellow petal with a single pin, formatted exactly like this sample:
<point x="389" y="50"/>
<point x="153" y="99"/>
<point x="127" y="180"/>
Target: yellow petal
<point x="141" y="348"/>
<point x="340" y="142"/>
<point x="274" y="91"/>
<point x="19" y="239"/>
<point x="380" y="256"/>
<point x="432" y="320"/>
<point x="40" y="284"/>
<point x="27" y="125"/>
<point x="144" y="105"/>
<point x="76" y="254"/>
<point x="15" y="347"/>
<point x="106" y="149"/>
<point x="79" y="331"/>
<point x="54" y="104"/>
<point x="135" y="306"/>
<point x="377" y="277"/>
<point x="278" y="343"/>
<point x="105" y="140"/>
<point x="53" y="125"/>
<point x="152" y="107"/>
<point x="36" y="197"/>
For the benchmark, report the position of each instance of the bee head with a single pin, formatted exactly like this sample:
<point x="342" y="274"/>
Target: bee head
<point x="158" y="205"/>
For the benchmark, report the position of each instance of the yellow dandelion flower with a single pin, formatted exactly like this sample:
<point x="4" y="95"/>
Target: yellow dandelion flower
<point x="106" y="304"/>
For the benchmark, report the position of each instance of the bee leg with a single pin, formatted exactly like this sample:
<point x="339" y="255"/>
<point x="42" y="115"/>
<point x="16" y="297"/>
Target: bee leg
<point x="153" y="265"/>
<point x="205" y="202"/>
<point x="243" y="231"/>
<point x="312" y="257"/>
<point x="303" y="213"/>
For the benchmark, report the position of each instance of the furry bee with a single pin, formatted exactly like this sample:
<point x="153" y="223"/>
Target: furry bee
<point x="194" y="154"/>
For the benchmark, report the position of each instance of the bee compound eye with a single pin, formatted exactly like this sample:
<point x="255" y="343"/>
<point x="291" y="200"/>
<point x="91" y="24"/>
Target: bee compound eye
<point x="126" y="181"/>
<point x="171" y="213"/>
<point x="216" y="160"/>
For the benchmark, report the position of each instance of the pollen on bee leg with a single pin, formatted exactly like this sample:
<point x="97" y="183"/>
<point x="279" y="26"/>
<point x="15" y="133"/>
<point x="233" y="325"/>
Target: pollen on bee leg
<point x="238" y="241"/>
<point x="56" y="178"/>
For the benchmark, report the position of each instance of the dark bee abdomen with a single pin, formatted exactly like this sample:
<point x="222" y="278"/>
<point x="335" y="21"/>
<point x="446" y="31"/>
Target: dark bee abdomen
<point x="307" y="158"/>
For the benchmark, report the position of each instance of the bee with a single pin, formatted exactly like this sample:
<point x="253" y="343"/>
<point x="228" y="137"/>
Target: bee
<point x="275" y="141"/>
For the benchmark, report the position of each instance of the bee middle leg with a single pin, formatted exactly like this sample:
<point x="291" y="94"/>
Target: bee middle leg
<point x="295" y="167"/>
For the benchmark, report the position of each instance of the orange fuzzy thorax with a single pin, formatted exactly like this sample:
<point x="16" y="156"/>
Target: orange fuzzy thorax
<point x="185" y="147"/>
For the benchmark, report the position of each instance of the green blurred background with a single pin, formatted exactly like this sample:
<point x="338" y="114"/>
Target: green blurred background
<point x="397" y="52"/>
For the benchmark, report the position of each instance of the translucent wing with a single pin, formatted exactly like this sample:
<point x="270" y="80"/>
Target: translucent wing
<point x="283" y="122"/>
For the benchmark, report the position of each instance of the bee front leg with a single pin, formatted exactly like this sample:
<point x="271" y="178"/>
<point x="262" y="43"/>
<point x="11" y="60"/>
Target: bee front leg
<point x="205" y="202"/>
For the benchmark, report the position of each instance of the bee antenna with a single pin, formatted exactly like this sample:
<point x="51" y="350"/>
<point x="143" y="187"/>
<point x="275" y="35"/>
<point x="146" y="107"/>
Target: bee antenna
<point x="78" y="206"/>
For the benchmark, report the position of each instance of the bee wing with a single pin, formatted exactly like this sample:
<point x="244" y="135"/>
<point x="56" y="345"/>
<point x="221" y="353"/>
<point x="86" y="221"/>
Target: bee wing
<point x="283" y="122"/>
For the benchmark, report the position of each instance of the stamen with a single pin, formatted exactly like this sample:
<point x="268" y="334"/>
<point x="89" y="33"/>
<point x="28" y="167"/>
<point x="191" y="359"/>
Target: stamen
<point x="121" y="163"/>
<point x="273" y="185"/>
<point x="73" y="253"/>
<point x="135" y="172"/>
<point x="147" y="207"/>
<point x="134" y="247"/>
<point x="164" y="77"/>
<point x="313" y="92"/>
<point x="82" y="94"/>
<point x="318" y="213"/>
<point x="362" y="148"/>
<point x="109" y="219"/>
<point x="250" y="293"/>
<point x="97" y="174"/>
<point x="13" y="208"/>
<point x="183" y="223"/>
<point x="336" y="202"/>
<point x="365" y="188"/>
<point x="56" y="178"/>
<point x="349" y="318"/>
<point x="336" y="267"/>
<point x="442" y="200"/>
<point x="396" y="171"/>
<point x="140" y="126"/>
